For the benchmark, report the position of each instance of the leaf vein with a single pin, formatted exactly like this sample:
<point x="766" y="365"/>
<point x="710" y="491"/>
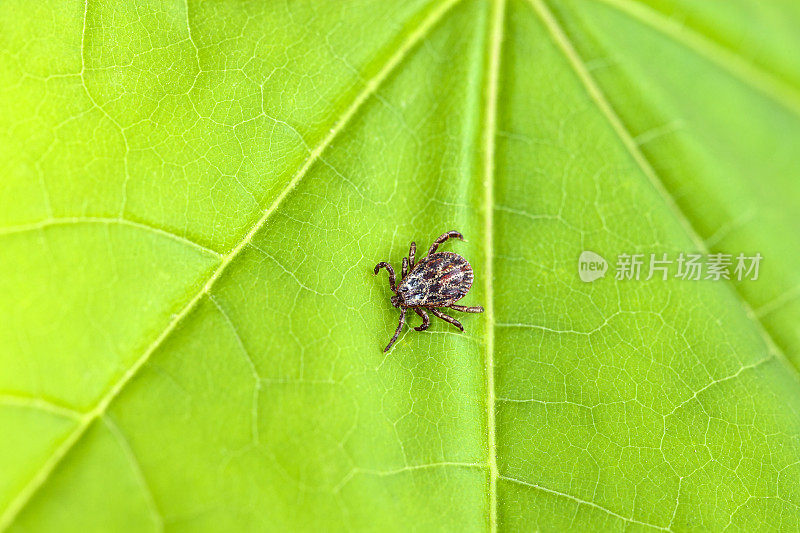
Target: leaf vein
<point x="563" y="42"/>
<point x="251" y="364"/>
<point x="496" y="26"/>
<point x="138" y="472"/>
<point x="39" y="404"/>
<point x="746" y="71"/>
<point x="66" y="221"/>
<point x="370" y="87"/>
<point x="580" y="501"/>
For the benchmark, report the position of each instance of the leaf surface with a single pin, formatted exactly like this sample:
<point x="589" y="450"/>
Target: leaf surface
<point x="194" y="196"/>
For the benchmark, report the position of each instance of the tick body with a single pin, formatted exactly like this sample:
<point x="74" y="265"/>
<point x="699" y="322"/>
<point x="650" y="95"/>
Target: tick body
<point x="437" y="281"/>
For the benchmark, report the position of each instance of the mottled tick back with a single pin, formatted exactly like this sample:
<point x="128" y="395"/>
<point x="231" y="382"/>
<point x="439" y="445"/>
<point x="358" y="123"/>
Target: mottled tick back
<point x="438" y="280"/>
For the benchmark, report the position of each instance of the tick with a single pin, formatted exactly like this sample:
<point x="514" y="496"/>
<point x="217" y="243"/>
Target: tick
<point x="438" y="280"/>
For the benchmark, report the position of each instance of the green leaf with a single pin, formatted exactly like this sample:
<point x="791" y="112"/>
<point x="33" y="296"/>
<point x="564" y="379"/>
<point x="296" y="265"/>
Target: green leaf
<point x="193" y="196"/>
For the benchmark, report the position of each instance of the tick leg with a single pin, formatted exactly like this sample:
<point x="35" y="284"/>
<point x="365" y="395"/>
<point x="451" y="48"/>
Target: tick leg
<point x="448" y="318"/>
<point x="397" y="331"/>
<point x="411" y="253"/>
<point x="425" y="320"/>
<point x="388" y="267"/>
<point x="404" y="271"/>
<point x="465" y="309"/>
<point x="443" y="237"/>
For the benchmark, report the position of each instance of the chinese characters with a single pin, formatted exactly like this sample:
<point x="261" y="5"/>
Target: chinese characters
<point x="688" y="266"/>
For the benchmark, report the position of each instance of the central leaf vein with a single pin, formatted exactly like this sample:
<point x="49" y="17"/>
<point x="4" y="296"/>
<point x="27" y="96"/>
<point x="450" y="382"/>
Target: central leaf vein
<point x="493" y="72"/>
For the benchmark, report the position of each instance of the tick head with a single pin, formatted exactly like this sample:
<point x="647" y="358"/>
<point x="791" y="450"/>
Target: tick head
<point x="397" y="300"/>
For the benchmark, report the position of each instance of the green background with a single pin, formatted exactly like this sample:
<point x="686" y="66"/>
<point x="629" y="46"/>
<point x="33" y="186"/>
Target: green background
<point x="193" y="195"/>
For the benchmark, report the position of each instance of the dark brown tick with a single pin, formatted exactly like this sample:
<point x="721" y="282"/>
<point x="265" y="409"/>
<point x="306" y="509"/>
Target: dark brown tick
<point x="438" y="280"/>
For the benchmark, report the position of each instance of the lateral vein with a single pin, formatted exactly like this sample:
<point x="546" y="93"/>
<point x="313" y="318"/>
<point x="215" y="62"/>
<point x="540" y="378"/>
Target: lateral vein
<point x="370" y="87"/>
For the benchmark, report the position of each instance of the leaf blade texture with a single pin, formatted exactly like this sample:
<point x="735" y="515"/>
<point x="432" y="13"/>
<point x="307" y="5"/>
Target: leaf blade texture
<point x="195" y="195"/>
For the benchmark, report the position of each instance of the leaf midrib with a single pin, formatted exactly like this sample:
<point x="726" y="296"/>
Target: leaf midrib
<point x="496" y="26"/>
<point x="371" y="85"/>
